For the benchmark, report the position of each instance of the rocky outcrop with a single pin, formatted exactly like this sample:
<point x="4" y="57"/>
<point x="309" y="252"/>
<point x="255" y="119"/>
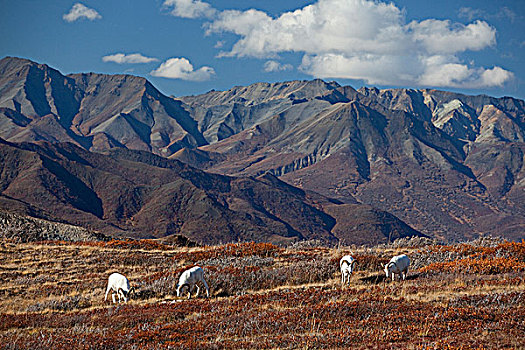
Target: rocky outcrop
<point x="28" y="229"/>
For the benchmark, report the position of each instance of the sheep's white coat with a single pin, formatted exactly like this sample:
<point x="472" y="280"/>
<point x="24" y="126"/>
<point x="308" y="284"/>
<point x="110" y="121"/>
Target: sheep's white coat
<point x="346" y="265"/>
<point x="118" y="284"/>
<point x="397" y="265"/>
<point x="189" y="278"/>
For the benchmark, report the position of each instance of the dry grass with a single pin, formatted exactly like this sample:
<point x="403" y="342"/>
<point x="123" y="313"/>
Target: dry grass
<point x="469" y="296"/>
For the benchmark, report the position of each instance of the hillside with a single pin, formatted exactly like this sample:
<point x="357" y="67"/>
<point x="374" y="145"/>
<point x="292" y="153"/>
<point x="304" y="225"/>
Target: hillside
<point x="16" y="228"/>
<point x="138" y="194"/>
<point x="465" y="296"/>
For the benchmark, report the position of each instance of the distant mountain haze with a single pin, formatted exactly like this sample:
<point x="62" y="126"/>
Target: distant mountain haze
<point x="447" y="164"/>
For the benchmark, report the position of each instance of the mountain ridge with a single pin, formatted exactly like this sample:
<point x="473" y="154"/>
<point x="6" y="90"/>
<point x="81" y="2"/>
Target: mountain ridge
<point x="137" y="194"/>
<point x="95" y="111"/>
<point x="448" y="164"/>
<point x="440" y="140"/>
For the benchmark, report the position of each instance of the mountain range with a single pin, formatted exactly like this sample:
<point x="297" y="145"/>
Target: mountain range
<point x="449" y="165"/>
<point x="136" y="193"/>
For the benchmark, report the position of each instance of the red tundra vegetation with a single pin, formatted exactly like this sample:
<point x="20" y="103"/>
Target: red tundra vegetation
<point x="464" y="296"/>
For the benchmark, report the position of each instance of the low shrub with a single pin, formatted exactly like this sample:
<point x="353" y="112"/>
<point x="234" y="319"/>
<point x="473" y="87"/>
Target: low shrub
<point x="67" y="303"/>
<point x="476" y="266"/>
<point x="230" y="250"/>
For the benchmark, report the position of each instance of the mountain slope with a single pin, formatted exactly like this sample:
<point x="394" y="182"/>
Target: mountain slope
<point x="450" y="165"/>
<point x="95" y="111"/>
<point x="225" y="113"/>
<point x="138" y="194"/>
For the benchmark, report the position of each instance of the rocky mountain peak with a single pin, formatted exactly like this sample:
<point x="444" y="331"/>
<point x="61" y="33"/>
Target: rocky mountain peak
<point x="95" y="111"/>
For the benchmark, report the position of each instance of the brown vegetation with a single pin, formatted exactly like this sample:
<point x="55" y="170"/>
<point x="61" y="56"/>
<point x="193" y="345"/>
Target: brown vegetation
<point x="466" y="296"/>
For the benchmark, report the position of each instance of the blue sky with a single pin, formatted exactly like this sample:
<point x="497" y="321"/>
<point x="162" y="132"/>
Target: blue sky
<point x="192" y="46"/>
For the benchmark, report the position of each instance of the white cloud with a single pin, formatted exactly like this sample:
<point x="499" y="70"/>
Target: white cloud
<point x="373" y="69"/>
<point x="121" y="58"/>
<point x="181" y="68"/>
<point x="190" y="8"/>
<point x="274" y="66"/>
<point x="80" y="11"/>
<point x="494" y="77"/>
<point x="326" y="26"/>
<point x="440" y="37"/>
<point x="364" y="39"/>
<point x="437" y="71"/>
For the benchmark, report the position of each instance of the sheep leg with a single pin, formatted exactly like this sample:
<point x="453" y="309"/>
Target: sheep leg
<point x="207" y="289"/>
<point x="180" y="289"/>
<point x="405" y="273"/>
<point x="198" y="291"/>
<point x="113" y="297"/>
<point x="393" y="276"/>
<point x="121" y="293"/>
<point x="107" y="291"/>
<point x="189" y="291"/>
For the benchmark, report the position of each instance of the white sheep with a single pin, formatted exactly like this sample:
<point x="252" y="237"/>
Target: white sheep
<point x="118" y="284"/>
<point x="347" y="265"/>
<point x="189" y="278"/>
<point x="397" y="265"/>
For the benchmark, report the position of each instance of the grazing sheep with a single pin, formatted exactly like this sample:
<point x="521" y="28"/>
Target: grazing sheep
<point x="397" y="265"/>
<point x="347" y="265"/>
<point x="189" y="278"/>
<point x="119" y="284"/>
